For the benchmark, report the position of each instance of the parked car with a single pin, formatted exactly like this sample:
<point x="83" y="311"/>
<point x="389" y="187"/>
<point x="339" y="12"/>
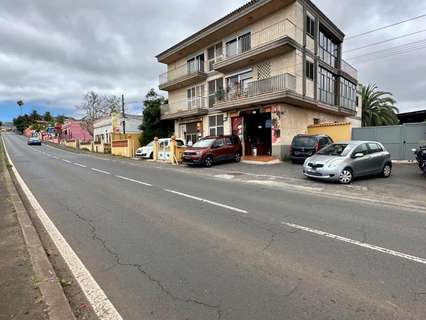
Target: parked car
<point x="213" y="149"/>
<point x="304" y="146"/>
<point x="34" y="141"/>
<point x="421" y="157"/>
<point x="345" y="161"/>
<point x="146" y="152"/>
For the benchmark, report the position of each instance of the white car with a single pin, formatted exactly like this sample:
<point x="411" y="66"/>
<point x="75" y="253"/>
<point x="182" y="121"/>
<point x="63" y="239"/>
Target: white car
<point x="146" y="152"/>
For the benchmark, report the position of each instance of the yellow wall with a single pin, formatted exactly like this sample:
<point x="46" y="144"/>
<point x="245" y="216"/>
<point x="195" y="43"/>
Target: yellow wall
<point x="132" y="145"/>
<point x="336" y="131"/>
<point x="70" y="144"/>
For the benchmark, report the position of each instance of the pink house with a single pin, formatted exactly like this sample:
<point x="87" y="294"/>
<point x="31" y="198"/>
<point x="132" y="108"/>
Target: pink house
<point x="72" y="129"/>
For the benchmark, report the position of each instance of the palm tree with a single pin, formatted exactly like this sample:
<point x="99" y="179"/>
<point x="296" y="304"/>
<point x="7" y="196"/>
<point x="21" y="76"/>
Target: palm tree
<point x="378" y="107"/>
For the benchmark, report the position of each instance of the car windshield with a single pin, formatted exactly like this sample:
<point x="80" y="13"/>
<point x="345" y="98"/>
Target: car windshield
<point x="204" y="143"/>
<point x="149" y="144"/>
<point x="304" y="141"/>
<point x="336" y="149"/>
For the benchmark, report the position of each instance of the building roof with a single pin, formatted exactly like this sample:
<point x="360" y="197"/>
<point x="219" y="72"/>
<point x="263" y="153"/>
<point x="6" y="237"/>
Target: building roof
<point x="244" y="9"/>
<point x="412" y="117"/>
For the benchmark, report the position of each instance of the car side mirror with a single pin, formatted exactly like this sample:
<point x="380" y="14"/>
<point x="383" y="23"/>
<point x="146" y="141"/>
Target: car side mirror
<point x="358" y="155"/>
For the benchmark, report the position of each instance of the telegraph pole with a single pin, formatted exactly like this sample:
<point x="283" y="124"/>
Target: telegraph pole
<point x="123" y="113"/>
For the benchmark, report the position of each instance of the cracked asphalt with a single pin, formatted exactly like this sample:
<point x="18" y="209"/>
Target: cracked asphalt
<point x="159" y="255"/>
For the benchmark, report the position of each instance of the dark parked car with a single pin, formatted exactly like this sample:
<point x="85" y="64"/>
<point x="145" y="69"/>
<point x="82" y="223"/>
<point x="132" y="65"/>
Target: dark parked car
<point x="213" y="149"/>
<point x="304" y="146"/>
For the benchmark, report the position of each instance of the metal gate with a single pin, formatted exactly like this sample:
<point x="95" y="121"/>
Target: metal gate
<point x="398" y="140"/>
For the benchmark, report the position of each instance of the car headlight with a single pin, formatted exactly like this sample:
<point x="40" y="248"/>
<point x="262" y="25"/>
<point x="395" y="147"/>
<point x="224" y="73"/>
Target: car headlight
<point x="334" y="163"/>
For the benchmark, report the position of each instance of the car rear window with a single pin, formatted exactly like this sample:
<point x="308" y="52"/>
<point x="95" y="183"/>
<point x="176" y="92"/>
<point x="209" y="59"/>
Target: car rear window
<point x="304" y="141"/>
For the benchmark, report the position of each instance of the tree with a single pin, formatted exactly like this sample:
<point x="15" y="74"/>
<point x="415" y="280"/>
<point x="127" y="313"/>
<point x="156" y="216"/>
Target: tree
<point x="152" y="125"/>
<point x="22" y="122"/>
<point x="47" y="117"/>
<point x="60" y="119"/>
<point x="95" y="106"/>
<point x="378" y="107"/>
<point x="35" y="116"/>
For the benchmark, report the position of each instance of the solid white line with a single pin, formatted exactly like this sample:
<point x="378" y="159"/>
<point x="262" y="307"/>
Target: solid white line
<point x="80" y="165"/>
<point x="357" y="243"/>
<point x="102" y="306"/>
<point x="101" y="171"/>
<point x="206" y="201"/>
<point x="67" y="161"/>
<point x="136" y="181"/>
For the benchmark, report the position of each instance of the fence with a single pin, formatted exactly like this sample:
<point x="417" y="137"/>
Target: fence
<point x="398" y="140"/>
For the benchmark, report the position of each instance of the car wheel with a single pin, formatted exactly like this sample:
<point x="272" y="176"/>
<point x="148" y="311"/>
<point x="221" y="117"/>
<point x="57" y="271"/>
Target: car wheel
<point x="237" y="157"/>
<point x="208" y="161"/>
<point x="346" y="176"/>
<point x="151" y="156"/>
<point x="387" y="171"/>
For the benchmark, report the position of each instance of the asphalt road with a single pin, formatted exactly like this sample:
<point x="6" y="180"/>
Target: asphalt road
<point x="165" y="244"/>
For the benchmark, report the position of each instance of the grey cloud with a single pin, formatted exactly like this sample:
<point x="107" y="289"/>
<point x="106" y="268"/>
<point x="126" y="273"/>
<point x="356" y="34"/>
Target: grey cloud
<point x="55" y="51"/>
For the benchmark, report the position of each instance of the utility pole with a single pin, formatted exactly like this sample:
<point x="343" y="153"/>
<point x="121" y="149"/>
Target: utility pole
<point x="123" y="113"/>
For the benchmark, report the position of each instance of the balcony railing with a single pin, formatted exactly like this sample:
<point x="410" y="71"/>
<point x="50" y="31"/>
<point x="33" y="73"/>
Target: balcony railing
<point x="346" y="67"/>
<point x="257" y="88"/>
<point x="185" y="106"/>
<point x="183" y="70"/>
<point x="266" y="35"/>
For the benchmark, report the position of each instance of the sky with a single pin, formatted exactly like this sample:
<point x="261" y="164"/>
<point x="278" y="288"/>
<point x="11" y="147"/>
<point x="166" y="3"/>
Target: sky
<point x="53" y="52"/>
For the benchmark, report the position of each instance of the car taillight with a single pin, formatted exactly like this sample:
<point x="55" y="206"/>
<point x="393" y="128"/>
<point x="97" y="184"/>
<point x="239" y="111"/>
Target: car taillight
<point x="316" y="147"/>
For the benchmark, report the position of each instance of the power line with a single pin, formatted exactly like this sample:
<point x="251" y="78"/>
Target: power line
<point x="405" y="47"/>
<point x="386" y="57"/>
<point x="385" y="27"/>
<point x="384" y="41"/>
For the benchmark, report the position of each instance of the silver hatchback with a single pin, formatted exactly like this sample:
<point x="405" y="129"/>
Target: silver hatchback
<point x="347" y="160"/>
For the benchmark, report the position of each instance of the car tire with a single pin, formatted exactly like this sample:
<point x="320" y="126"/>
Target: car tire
<point x="237" y="157"/>
<point x="151" y="156"/>
<point x="346" y="176"/>
<point x="208" y="161"/>
<point x="386" y="171"/>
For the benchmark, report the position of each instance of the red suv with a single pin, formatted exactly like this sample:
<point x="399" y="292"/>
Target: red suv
<point x="213" y="149"/>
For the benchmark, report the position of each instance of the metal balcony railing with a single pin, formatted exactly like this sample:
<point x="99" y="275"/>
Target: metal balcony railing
<point x="346" y="67"/>
<point x="257" y="88"/>
<point x="185" y="105"/>
<point x="183" y="70"/>
<point x="266" y="35"/>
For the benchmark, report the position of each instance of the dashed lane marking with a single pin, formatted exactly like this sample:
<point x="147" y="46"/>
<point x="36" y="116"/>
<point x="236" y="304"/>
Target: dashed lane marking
<point x="101" y="171"/>
<point x="135" y="181"/>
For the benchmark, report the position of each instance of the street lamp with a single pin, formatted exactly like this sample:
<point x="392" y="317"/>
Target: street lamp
<point x="20" y="103"/>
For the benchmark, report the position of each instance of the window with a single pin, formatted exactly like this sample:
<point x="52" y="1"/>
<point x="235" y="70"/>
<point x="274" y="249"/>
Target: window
<point x="195" y="64"/>
<point x="326" y="86"/>
<point x="327" y="50"/>
<point x="309" y="70"/>
<point x="238" y="83"/>
<point x="316" y="121"/>
<point x="215" y="91"/>
<point x="228" y="141"/>
<point x="374" y="148"/>
<point x="195" y="97"/>
<point x="238" y="45"/>
<point x="348" y="96"/>
<point x="323" y="142"/>
<point x="214" y="53"/>
<point x="310" y="26"/>
<point x="216" y="125"/>
<point x="218" y="143"/>
<point x="361" y="149"/>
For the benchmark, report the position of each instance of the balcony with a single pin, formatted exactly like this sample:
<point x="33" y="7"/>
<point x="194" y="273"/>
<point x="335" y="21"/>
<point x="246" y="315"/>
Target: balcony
<point x="349" y="70"/>
<point x="258" y="46"/>
<point x="184" y="108"/>
<point x="270" y="90"/>
<point x="183" y="76"/>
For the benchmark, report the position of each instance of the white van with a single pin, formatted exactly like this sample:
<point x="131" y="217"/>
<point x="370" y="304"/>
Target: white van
<point x="146" y="152"/>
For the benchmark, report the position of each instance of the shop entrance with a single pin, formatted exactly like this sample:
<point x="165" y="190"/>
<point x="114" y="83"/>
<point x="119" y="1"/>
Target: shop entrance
<point x="257" y="133"/>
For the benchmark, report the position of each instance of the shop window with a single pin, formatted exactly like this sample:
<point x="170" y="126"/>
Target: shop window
<point x="216" y="125"/>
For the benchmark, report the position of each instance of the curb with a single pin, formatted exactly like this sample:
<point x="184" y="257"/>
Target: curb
<point x="50" y="288"/>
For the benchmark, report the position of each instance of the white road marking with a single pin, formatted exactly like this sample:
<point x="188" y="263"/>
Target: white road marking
<point x="206" y="201"/>
<point x="79" y="164"/>
<point x="357" y="243"/>
<point x="55" y="157"/>
<point x="67" y="161"/>
<point x="135" y="181"/>
<point x="101" y="171"/>
<point x="99" y="301"/>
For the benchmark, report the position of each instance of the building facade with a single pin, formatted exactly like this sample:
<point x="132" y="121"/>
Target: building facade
<point x="104" y="128"/>
<point x="264" y="72"/>
<point x="73" y="130"/>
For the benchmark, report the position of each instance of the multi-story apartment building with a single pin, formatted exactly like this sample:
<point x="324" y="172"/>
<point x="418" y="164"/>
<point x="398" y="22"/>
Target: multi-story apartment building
<point x="264" y="72"/>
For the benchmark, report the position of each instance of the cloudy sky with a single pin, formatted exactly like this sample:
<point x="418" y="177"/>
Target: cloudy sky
<point x="52" y="52"/>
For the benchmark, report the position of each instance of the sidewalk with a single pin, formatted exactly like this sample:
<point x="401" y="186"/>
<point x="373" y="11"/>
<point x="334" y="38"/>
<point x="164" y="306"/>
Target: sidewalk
<point x="20" y="295"/>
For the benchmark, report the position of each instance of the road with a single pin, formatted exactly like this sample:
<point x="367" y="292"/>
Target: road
<point x="166" y="244"/>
